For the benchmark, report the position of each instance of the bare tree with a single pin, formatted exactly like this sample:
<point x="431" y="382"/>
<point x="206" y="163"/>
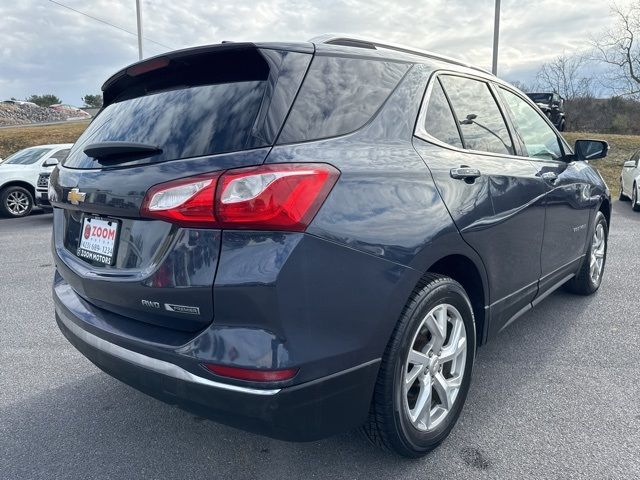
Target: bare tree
<point x="619" y="47"/>
<point x="564" y="75"/>
<point x="525" y="87"/>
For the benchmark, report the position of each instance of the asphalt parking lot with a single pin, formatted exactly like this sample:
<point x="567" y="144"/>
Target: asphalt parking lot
<point x="555" y="396"/>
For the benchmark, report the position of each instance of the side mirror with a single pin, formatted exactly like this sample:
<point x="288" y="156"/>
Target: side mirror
<point x="629" y="164"/>
<point x="469" y="120"/>
<point x="50" y="162"/>
<point x="591" y="149"/>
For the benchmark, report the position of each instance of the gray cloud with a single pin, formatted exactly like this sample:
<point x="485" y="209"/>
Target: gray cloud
<point x="46" y="48"/>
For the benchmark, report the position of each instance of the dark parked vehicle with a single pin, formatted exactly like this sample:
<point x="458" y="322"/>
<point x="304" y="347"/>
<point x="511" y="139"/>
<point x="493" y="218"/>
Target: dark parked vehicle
<point x="300" y="239"/>
<point x="552" y="105"/>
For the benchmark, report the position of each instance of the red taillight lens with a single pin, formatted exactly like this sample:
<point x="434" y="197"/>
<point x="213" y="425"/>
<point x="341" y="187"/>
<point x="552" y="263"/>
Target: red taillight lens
<point x="251" y="374"/>
<point x="187" y="202"/>
<point x="274" y="197"/>
<point x="268" y="197"/>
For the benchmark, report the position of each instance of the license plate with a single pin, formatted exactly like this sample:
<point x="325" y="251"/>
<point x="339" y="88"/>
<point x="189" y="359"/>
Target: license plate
<point x="98" y="240"/>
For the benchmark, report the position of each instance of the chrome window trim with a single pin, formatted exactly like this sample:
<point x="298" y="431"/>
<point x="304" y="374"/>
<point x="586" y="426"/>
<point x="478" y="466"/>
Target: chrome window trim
<point x="154" y="364"/>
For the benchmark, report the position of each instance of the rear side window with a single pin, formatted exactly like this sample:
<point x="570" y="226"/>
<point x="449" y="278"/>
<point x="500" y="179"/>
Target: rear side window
<point x="339" y="95"/>
<point x="440" y="122"/>
<point x="218" y="103"/>
<point x="481" y="123"/>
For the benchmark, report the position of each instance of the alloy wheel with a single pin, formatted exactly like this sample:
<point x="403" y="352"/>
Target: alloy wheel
<point x="434" y="368"/>
<point x="18" y="203"/>
<point x="598" y="249"/>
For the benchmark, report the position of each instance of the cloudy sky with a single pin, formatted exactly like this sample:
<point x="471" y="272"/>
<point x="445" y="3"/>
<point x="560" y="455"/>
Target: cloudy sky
<point x="46" y="48"/>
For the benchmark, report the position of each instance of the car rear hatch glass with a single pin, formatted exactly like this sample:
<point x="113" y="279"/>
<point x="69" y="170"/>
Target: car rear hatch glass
<point x="204" y="110"/>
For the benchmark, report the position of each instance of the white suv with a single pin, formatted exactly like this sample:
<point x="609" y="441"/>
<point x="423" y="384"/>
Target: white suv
<point x="19" y="176"/>
<point x="630" y="181"/>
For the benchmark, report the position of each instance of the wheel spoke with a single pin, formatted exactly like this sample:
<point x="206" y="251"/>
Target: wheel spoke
<point x="445" y="389"/>
<point x="418" y="358"/>
<point x="423" y="404"/>
<point x="411" y="376"/>
<point x="457" y="343"/>
<point x="437" y="325"/>
<point x="451" y="353"/>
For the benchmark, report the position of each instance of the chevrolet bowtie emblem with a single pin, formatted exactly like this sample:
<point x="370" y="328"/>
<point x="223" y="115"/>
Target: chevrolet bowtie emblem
<point x="75" y="196"/>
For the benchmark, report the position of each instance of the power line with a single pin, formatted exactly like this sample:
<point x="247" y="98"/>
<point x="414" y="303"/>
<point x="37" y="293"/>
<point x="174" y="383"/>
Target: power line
<point x="110" y="24"/>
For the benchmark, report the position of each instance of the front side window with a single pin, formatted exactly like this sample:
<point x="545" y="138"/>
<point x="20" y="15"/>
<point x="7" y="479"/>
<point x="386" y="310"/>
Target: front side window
<point x="538" y="137"/>
<point x="28" y="156"/>
<point x="481" y="123"/>
<point x="440" y="122"/>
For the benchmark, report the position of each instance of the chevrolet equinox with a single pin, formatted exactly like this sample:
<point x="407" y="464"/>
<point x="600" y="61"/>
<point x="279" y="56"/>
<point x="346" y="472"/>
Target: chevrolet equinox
<point x="297" y="239"/>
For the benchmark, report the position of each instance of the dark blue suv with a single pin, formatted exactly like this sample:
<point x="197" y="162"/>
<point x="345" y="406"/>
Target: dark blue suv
<point x="300" y="239"/>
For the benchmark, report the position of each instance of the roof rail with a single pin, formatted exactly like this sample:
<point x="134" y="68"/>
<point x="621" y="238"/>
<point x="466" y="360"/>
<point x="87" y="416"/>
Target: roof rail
<point x="363" y="42"/>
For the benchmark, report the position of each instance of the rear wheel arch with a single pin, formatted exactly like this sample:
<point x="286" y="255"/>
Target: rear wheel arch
<point x="465" y="271"/>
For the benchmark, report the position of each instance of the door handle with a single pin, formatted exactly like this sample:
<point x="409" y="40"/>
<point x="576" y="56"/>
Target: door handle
<point x="550" y="177"/>
<point x="463" y="172"/>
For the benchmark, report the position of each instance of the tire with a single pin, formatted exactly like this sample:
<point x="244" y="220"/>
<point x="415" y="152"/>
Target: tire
<point x="586" y="282"/>
<point x="394" y="421"/>
<point x="15" y="202"/>
<point x="634" y="199"/>
<point x="562" y="125"/>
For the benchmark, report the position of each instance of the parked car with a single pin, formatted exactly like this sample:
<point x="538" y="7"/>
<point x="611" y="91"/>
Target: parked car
<point x="19" y="102"/>
<point x="19" y="176"/>
<point x="552" y="105"/>
<point x="300" y="239"/>
<point x="630" y="181"/>
<point x="42" y="185"/>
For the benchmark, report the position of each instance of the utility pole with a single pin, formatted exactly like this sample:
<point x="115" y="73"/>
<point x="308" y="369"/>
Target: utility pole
<point x="139" y="16"/>
<point x="496" y="34"/>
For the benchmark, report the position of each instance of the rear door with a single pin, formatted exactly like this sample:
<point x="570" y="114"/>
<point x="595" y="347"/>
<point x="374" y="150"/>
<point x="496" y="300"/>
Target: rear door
<point x="568" y="200"/>
<point x="498" y="206"/>
<point x="202" y="110"/>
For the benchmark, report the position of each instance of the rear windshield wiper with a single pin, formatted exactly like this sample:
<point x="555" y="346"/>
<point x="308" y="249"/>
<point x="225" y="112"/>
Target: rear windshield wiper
<point x="120" y="150"/>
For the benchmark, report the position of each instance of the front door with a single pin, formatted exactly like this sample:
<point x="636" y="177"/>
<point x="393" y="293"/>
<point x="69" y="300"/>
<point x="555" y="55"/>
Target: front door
<point x="568" y="198"/>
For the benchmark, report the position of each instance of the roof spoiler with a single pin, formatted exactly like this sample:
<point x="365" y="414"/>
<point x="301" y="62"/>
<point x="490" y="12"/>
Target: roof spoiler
<point x="138" y="72"/>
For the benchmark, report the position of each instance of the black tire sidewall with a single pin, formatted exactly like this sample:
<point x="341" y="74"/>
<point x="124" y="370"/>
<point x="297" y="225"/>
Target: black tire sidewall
<point x="4" y="194"/>
<point x="415" y="441"/>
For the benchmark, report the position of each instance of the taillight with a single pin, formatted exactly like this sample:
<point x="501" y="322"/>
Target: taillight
<point x="253" y="375"/>
<point x="267" y="197"/>
<point x="187" y="202"/>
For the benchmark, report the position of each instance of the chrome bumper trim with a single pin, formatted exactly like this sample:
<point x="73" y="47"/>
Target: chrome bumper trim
<point x="158" y="366"/>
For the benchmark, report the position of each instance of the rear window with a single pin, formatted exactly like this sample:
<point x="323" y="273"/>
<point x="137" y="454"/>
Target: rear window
<point x="219" y="113"/>
<point x="339" y="95"/>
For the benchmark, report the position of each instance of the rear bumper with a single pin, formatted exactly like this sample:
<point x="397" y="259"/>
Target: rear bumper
<point x="304" y="412"/>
